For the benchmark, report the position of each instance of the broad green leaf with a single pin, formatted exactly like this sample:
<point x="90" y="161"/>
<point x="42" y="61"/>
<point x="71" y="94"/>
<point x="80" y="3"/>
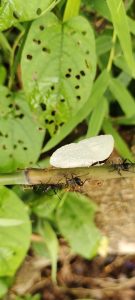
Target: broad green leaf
<point x="120" y="144"/>
<point x="98" y="90"/>
<point x="120" y="23"/>
<point x="122" y="95"/>
<point x="75" y="219"/>
<point x="45" y="206"/>
<point x="20" y="135"/>
<point x="58" y="67"/>
<point x="51" y="242"/>
<point x="12" y="12"/>
<point x="103" y="44"/>
<point x="97" y="117"/>
<point x="14" y="240"/>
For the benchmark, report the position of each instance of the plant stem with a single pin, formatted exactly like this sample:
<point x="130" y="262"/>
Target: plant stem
<point x="55" y="176"/>
<point x="112" y="52"/>
<point x="72" y="9"/>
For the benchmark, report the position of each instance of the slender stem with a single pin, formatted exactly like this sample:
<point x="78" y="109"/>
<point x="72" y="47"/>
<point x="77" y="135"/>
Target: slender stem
<point x="55" y="176"/>
<point x="112" y="52"/>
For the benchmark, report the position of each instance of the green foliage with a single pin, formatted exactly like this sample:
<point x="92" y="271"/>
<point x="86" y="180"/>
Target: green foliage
<point x="19" y="131"/>
<point x="14" y="236"/>
<point x="12" y="12"/>
<point x="75" y="219"/>
<point x="58" y="76"/>
<point x="48" y="63"/>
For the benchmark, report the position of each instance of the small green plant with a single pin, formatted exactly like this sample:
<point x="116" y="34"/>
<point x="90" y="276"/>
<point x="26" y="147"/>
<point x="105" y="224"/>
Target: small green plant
<point x="58" y="67"/>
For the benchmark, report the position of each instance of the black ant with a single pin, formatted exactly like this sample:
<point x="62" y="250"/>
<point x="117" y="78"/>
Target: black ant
<point x="124" y="166"/>
<point x="74" y="181"/>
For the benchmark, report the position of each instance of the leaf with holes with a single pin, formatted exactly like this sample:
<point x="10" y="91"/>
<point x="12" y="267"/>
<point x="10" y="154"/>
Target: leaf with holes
<point x="20" y="136"/>
<point x="58" y="68"/>
<point x="12" y="12"/>
<point x="14" y="240"/>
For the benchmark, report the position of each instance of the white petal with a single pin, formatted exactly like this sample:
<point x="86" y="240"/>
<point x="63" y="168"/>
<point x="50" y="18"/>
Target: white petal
<point x="83" y="154"/>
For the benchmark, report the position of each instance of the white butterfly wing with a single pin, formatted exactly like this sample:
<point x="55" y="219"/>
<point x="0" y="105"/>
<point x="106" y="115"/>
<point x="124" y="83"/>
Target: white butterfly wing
<point x="83" y="154"/>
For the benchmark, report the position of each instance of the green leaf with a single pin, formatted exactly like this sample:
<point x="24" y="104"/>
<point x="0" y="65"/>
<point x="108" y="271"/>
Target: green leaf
<point x="45" y="206"/>
<point x="75" y="219"/>
<point x="97" y="117"/>
<point x="120" y="23"/>
<point x="12" y="12"/>
<point x="72" y="9"/>
<point x="20" y="135"/>
<point x="103" y="44"/>
<point x="101" y="7"/>
<point x="120" y="144"/>
<point x="125" y="120"/>
<point x="3" y="74"/>
<point x="122" y="95"/>
<point x="58" y="76"/>
<point x="51" y="242"/>
<point x="3" y="287"/>
<point x="14" y="240"/>
<point x="98" y="90"/>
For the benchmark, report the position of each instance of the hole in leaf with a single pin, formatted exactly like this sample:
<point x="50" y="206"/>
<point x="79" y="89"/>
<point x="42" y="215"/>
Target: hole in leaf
<point x="44" y="49"/>
<point x="84" y="32"/>
<point x="62" y="100"/>
<point x="56" y="128"/>
<point x="6" y="135"/>
<point x="10" y="105"/>
<point x="4" y="147"/>
<point x="53" y="112"/>
<point x="78" y="97"/>
<point x="52" y="87"/>
<point x="38" y="12"/>
<point x="14" y="146"/>
<point x="17" y="107"/>
<point x="21" y="116"/>
<point x="1" y="134"/>
<point x="87" y="64"/>
<point x="46" y="121"/>
<point x="68" y="75"/>
<point x="77" y="76"/>
<point x="69" y="70"/>
<point x="62" y="123"/>
<point x="43" y="106"/>
<point x="51" y="121"/>
<point x="40" y="129"/>
<point x="77" y="87"/>
<point x="37" y="41"/>
<point x="16" y="15"/>
<point x="20" y="141"/>
<point x="29" y="56"/>
<point x="8" y="95"/>
<point x="25" y="148"/>
<point x="82" y="73"/>
<point x="41" y="27"/>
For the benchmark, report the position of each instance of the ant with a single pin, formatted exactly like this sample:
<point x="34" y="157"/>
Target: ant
<point x="124" y="166"/>
<point x="74" y="181"/>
